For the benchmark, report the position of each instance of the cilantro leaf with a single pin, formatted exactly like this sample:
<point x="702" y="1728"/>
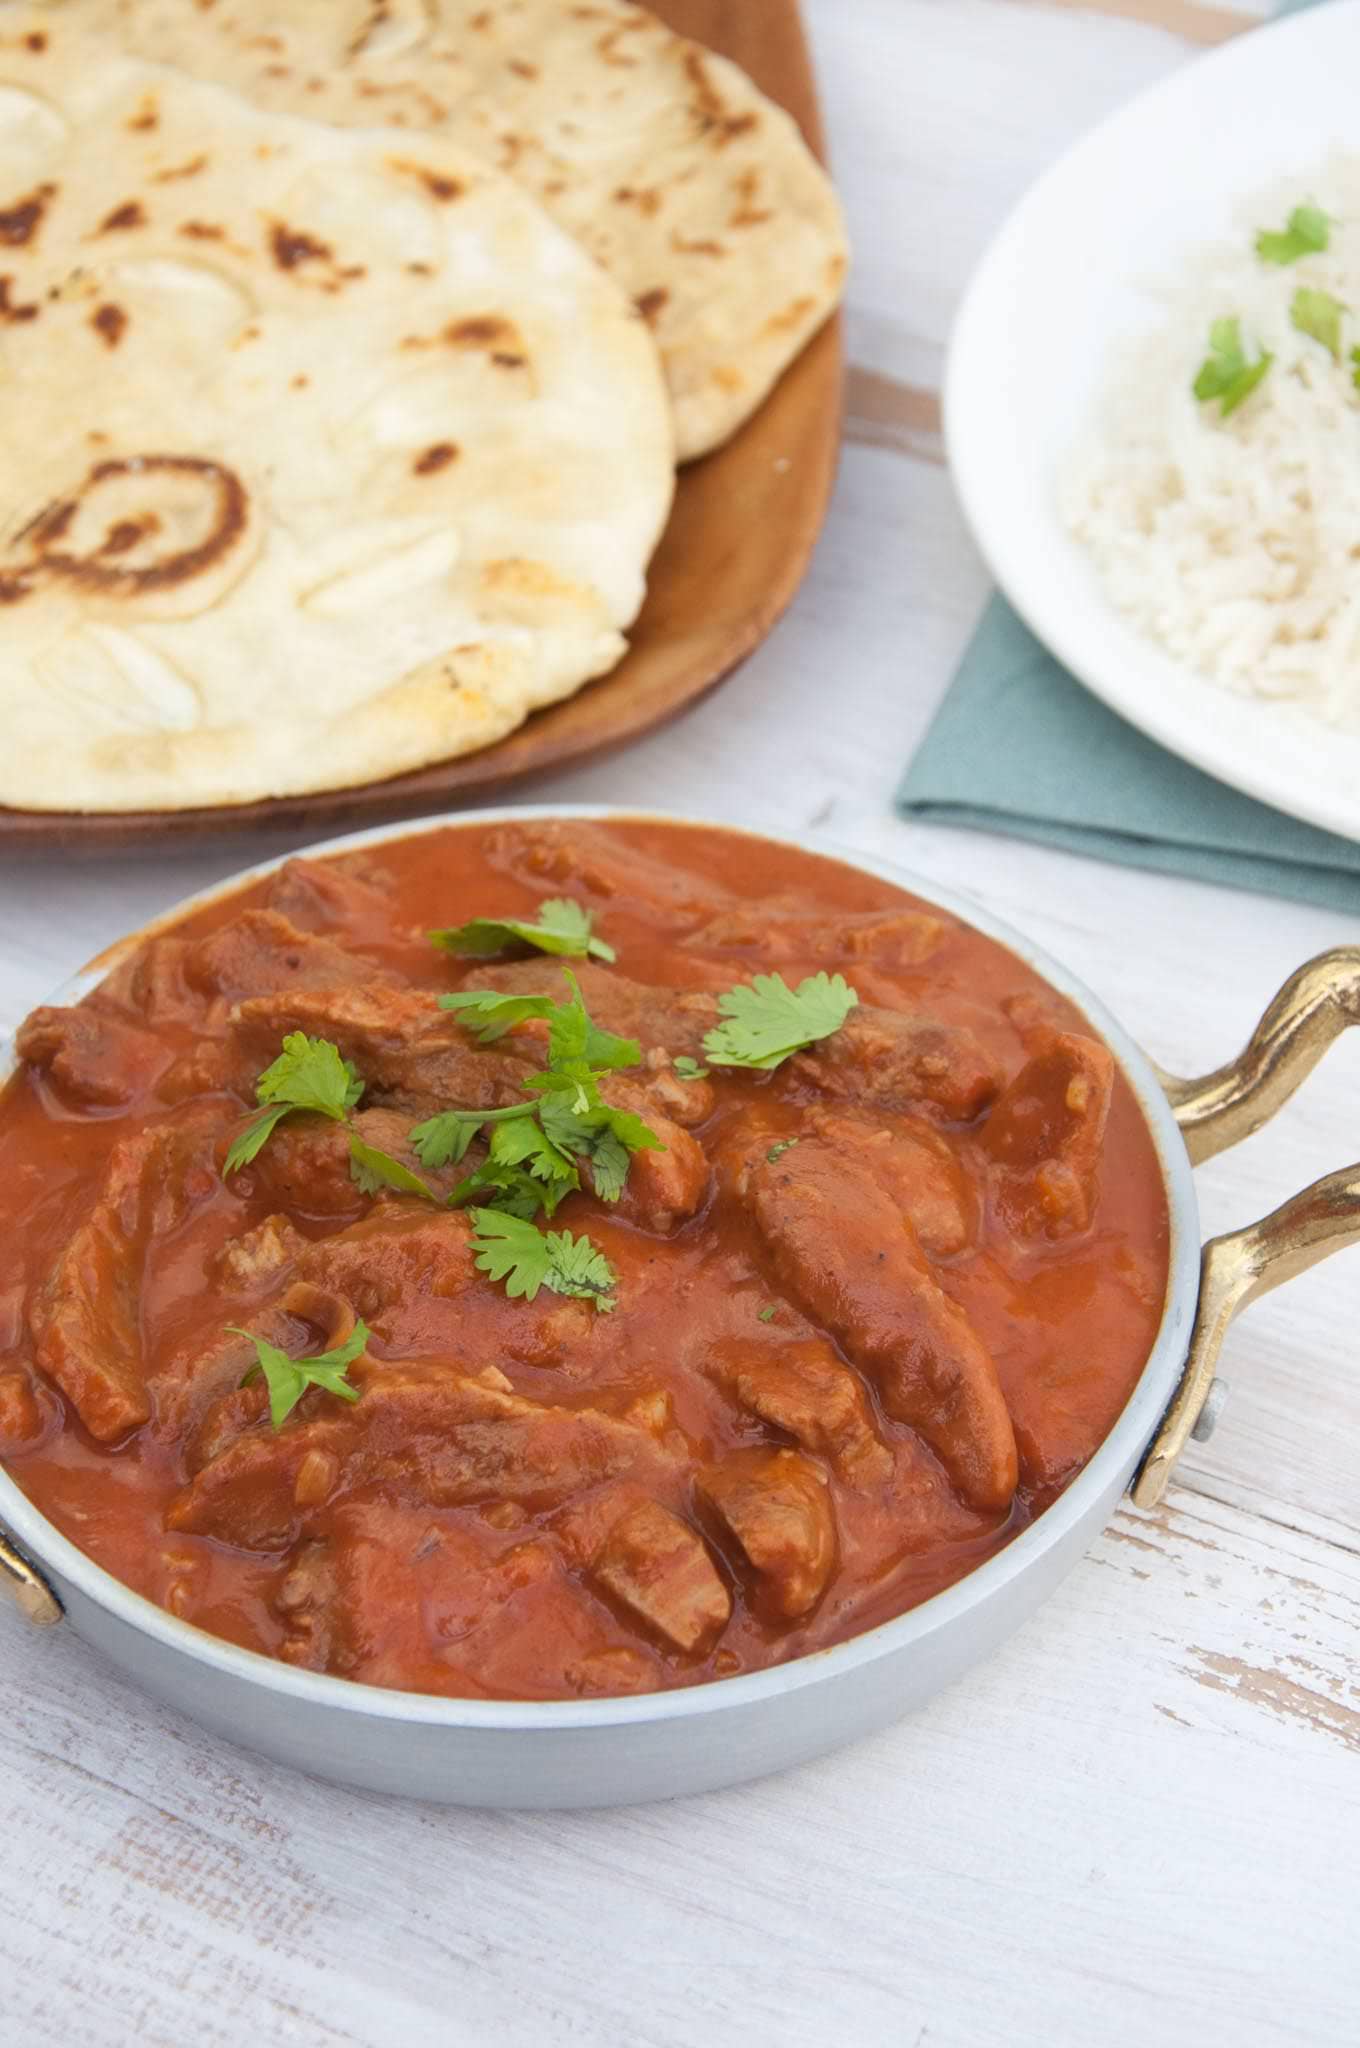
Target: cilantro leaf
<point x="605" y="1136"/>
<point x="1318" y="314"/>
<point x="688" y="1069"/>
<point x="1307" y="231"/>
<point x="766" y="1020"/>
<point x="444" y="1139"/>
<point x="591" y="1138"/>
<point x="609" y="1162"/>
<point x="371" y="1168"/>
<point x="289" y="1378"/>
<point x="512" y="1250"/>
<point x="581" y="1269"/>
<point x="1225" y="373"/>
<point x="510" y="1189"/>
<point x="573" y="1037"/>
<point x="534" y="1147"/>
<point x="527" y="1143"/>
<point x="776" y="1152"/>
<point x="525" y="1258"/>
<point x="523" y="1172"/>
<point x="490" y="1015"/>
<point x="768" y="1313"/>
<point x="248" y="1142"/>
<point x="631" y="1131"/>
<point x="562" y="927"/>
<point x="310" y="1074"/>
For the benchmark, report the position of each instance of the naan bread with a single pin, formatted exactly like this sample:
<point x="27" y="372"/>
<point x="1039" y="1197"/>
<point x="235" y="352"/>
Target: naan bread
<point x="691" y="188"/>
<point x="326" y="453"/>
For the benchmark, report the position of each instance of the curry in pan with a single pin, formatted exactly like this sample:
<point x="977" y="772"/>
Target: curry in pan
<point x="555" y="1259"/>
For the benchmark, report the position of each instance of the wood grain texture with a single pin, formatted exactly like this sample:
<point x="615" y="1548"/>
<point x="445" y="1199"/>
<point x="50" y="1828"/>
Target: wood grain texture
<point x="1135" y="1825"/>
<point x="740" y="534"/>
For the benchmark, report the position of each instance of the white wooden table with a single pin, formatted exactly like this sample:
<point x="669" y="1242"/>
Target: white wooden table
<point x="1140" y="1822"/>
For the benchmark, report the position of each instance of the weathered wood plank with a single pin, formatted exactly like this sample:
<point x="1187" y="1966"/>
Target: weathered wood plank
<point x="1161" y="1769"/>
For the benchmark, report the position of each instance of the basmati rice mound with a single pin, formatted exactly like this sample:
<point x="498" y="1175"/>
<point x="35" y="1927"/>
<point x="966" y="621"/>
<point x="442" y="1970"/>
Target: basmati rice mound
<point x="1235" y="542"/>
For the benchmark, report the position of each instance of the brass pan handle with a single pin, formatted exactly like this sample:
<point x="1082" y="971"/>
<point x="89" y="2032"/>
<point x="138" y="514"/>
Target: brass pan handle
<point x="1220" y="1109"/>
<point x="26" y="1586"/>
<point x="1235" y="1270"/>
<point x="1314" y="1007"/>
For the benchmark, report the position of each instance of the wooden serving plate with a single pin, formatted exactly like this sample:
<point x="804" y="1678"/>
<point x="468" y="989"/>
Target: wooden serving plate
<point x="738" y="541"/>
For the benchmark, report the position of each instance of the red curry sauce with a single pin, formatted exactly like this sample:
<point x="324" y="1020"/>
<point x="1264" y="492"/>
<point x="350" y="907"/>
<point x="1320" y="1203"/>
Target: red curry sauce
<point x="839" y="1374"/>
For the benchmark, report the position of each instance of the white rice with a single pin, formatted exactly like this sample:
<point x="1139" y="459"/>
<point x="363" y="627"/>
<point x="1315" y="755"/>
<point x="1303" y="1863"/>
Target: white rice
<point x="1236" y="543"/>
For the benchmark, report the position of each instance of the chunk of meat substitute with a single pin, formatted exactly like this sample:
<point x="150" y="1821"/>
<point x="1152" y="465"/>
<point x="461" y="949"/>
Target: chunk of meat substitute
<point x="395" y="1254"/>
<point x="419" y="1432"/>
<point x="849" y="1259"/>
<point x="1045" y="1134"/>
<point x="900" y="1062"/>
<point x="400" y="1596"/>
<point x="658" y="1567"/>
<point x="94" y="1058"/>
<point x="673" y="1019"/>
<point x="198" y="1395"/>
<point x="261" y="952"/>
<point x="802" y="1387"/>
<point x="151" y="983"/>
<point x="320" y="895"/>
<point x="778" y="1506"/>
<point x="686" y="1102"/>
<point x="665" y="1186"/>
<point x="306" y="1164"/>
<point x="888" y="938"/>
<point x="914" y="1164"/>
<point x="412" y="1055"/>
<point x="587" y="857"/>
<point x="86" y="1317"/>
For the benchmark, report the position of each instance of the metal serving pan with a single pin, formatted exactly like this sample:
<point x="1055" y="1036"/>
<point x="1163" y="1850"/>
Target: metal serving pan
<point x="608" y="1752"/>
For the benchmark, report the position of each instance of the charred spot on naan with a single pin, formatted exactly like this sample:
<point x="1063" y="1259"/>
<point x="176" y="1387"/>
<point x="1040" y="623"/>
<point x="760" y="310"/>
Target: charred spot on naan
<point x="150" y="502"/>
<point x="20" y="222"/>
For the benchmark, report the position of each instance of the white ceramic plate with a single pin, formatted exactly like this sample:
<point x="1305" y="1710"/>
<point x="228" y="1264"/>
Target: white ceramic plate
<point x="1062" y="283"/>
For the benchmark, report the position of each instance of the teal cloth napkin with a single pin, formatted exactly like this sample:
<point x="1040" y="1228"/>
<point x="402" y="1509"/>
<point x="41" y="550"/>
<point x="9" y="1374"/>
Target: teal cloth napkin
<point x="1019" y="747"/>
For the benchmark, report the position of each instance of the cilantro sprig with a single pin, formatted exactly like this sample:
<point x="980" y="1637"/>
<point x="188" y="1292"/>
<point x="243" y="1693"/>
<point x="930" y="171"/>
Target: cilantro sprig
<point x="1306" y="233"/>
<point x="523" y="1172"/>
<point x="289" y="1378"/>
<point x="575" y="1041"/>
<point x="1225" y="373"/>
<point x="766" y="1020"/>
<point x="562" y="927"/>
<point x="310" y="1074"/>
<point x="1319" y="315"/>
<point x="525" y="1258"/>
<point x="535" y="1149"/>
